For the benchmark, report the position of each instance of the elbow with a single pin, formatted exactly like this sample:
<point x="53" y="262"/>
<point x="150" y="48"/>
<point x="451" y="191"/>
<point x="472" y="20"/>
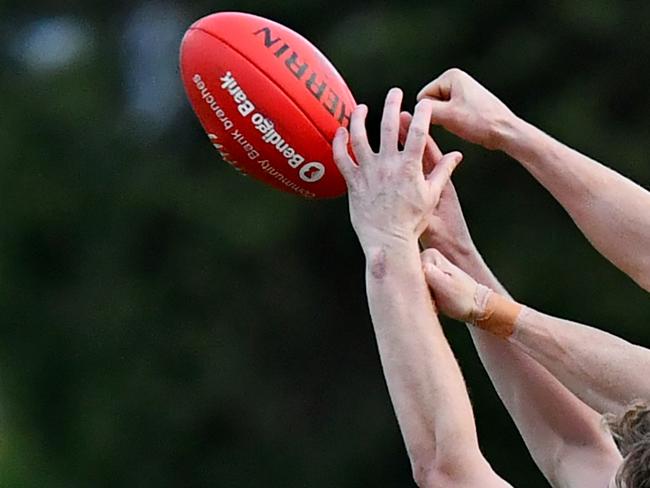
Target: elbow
<point x="638" y="272"/>
<point x="427" y="470"/>
<point x="427" y="476"/>
<point x="434" y="474"/>
<point x="454" y="459"/>
<point x="423" y="466"/>
<point x="420" y="478"/>
<point x="635" y="264"/>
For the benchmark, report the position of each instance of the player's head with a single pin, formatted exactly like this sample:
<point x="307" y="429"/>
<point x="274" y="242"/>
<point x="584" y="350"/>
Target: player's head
<point x="631" y="432"/>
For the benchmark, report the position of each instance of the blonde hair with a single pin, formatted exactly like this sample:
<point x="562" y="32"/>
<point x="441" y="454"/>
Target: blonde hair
<point x="631" y="432"/>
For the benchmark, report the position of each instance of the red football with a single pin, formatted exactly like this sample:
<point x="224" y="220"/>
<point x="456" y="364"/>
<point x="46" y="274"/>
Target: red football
<point x="268" y="99"/>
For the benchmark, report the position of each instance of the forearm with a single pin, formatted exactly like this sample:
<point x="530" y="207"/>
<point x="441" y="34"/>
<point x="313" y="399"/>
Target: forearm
<point x="471" y="261"/>
<point x="423" y="378"/>
<point x="606" y="372"/>
<point x="612" y="211"/>
<point x="531" y="394"/>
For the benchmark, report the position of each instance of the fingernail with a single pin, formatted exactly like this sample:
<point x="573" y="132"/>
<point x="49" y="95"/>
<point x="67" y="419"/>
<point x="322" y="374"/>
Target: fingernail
<point x="340" y="132"/>
<point x="395" y="90"/>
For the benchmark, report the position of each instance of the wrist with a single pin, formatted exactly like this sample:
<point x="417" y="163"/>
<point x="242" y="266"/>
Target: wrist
<point x="481" y="297"/>
<point x="509" y="133"/>
<point x="463" y="255"/>
<point x="467" y="258"/>
<point x="374" y="240"/>
<point x="454" y="248"/>
<point x="517" y="138"/>
<point x="390" y="246"/>
<point x="390" y="254"/>
<point x="494" y="313"/>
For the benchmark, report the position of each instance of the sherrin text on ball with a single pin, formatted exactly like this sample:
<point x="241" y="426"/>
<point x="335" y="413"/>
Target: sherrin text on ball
<point x="268" y="99"/>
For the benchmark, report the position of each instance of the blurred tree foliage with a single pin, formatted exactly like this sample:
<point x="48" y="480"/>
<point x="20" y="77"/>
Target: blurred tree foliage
<point x="168" y="323"/>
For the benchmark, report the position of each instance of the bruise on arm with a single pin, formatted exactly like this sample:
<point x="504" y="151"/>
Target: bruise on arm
<point x="378" y="264"/>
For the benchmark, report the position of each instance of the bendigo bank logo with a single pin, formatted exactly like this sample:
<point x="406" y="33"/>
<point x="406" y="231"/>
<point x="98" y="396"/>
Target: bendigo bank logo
<point x="329" y="99"/>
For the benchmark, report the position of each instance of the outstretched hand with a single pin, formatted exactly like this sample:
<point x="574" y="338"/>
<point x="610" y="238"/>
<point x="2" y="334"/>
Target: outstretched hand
<point x="389" y="195"/>
<point x="446" y="227"/>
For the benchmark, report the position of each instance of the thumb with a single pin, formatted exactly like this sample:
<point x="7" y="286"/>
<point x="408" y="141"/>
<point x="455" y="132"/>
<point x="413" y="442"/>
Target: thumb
<point x="438" y="89"/>
<point x="443" y="264"/>
<point x="439" y="92"/>
<point x="439" y="177"/>
<point x="434" y="276"/>
<point x="440" y="111"/>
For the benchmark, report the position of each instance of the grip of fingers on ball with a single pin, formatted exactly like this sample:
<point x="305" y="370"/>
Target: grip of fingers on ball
<point x="496" y="313"/>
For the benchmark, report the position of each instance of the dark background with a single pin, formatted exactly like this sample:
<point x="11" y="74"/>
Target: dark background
<point x="166" y="322"/>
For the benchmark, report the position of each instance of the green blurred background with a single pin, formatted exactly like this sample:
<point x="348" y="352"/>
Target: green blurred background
<point x="166" y="322"/>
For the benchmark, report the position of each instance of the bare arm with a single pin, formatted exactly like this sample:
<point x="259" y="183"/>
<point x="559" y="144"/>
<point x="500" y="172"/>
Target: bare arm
<point x="563" y="435"/>
<point x="389" y="200"/>
<point x="612" y="211"/>
<point x="423" y="378"/>
<point x="605" y="371"/>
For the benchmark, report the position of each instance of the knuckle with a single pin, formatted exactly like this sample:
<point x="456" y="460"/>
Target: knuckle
<point x="341" y="161"/>
<point x="418" y="132"/>
<point x="357" y="143"/>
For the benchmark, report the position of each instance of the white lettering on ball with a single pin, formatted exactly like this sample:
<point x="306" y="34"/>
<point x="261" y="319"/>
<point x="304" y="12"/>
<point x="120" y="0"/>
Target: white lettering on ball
<point x="312" y="172"/>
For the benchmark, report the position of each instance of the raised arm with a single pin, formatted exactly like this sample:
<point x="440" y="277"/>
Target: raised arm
<point x="605" y="371"/>
<point x="612" y="211"/>
<point x="389" y="200"/>
<point x="563" y="435"/>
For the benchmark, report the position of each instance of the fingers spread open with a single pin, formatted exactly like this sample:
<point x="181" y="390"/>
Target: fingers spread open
<point x="432" y="153"/>
<point x="390" y="121"/>
<point x="418" y="132"/>
<point x="404" y="124"/>
<point x="441" y="174"/>
<point x="341" y="156"/>
<point x="358" y="134"/>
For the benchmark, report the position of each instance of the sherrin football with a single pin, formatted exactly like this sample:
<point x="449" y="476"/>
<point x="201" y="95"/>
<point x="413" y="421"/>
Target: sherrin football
<point x="268" y="99"/>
